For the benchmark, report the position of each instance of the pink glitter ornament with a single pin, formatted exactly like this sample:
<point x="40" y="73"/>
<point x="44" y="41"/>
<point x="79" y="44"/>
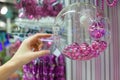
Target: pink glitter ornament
<point x="95" y="53"/>
<point x="103" y="46"/>
<point x="97" y="30"/>
<point x="84" y="49"/>
<point x="99" y="45"/>
<point x="96" y="45"/>
<point x="72" y="51"/>
<point x="32" y="7"/>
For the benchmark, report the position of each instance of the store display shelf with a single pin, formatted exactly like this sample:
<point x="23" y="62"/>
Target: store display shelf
<point x="34" y="23"/>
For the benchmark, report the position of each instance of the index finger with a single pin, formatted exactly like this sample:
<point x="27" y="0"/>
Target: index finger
<point x="40" y="35"/>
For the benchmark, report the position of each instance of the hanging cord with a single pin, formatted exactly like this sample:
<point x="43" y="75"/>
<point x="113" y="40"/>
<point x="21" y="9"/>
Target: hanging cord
<point x="97" y="3"/>
<point x="102" y="4"/>
<point x="100" y="9"/>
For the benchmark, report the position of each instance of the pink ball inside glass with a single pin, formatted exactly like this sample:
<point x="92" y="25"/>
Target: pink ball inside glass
<point x="84" y="49"/>
<point x="99" y="45"/>
<point x="72" y="51"/>
<point x="97" y="30"/>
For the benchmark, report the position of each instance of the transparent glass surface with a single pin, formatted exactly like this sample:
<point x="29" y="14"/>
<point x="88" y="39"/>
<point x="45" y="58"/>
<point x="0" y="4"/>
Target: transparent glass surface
<point x="73" y="23"/>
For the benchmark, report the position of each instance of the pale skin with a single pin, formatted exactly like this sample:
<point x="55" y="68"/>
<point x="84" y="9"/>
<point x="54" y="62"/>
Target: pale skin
<point x="24" y="55"/>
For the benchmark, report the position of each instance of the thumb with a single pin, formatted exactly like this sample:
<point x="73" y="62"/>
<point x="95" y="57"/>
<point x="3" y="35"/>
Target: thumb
<point x="41" y="53"/>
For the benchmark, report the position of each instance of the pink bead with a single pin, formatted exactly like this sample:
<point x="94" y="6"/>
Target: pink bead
<point x="96" y="45"/>
<point x="50" y="43"/>
<point x="77" y="54"/>
<point x="95" y="53"/>
<point x="72" y="51"/>
<point x="75" y="58"/>
<point x="30" y="16"/>
<point x="68" y="55"/>
<point x="84" y="49"/>
<point x="72" y="54"/>
<point x="100" y="13"/>
<point x="99" y="45"/>
<point x="21" y="15"/>
<point x="103" y="46"/>
<point x="97" y="30"/>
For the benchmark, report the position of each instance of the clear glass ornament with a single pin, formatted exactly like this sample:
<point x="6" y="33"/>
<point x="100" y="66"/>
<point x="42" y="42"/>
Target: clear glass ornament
<point x="80" y="29"/>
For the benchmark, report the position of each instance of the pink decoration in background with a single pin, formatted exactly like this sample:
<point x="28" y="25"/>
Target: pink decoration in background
<point x="32" y="9"/>
<point x="111" y="4"/>
<point x="21" y="15"/>
<point x="52" y="1"/>
<point x="14" y="47"/>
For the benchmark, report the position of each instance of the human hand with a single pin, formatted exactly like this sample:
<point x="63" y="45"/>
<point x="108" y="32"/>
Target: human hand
<point x="26" y="53"/>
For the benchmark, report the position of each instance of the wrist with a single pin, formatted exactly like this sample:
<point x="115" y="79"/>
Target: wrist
<point x="7" y="69"/>
<point x="14" y="63"/>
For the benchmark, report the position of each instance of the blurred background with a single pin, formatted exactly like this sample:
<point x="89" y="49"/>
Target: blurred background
<point x="8" y="13"/>
<point x="13" y="31"/>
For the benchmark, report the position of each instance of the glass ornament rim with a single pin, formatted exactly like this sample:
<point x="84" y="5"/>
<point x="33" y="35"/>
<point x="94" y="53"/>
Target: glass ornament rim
<point x="78" y="4"/>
